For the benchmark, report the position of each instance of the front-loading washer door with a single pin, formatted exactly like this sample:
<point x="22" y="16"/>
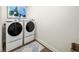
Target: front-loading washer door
<point x="30" y="26"/>
<point x="14" y="29"/>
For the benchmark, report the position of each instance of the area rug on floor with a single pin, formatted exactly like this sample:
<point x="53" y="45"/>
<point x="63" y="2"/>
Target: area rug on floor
<point x="32" y="47"/>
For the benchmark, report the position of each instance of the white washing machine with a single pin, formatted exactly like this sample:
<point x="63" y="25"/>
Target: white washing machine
<point x="29" y="30"/>
<point x="12" y="35"/>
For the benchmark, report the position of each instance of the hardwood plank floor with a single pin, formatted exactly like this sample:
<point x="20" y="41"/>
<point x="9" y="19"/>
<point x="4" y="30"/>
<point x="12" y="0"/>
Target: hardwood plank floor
<point x="46" y="50"/>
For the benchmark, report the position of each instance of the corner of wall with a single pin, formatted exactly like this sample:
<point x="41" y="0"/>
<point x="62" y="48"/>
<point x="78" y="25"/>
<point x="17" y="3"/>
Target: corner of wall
<point x="48" y="46"/>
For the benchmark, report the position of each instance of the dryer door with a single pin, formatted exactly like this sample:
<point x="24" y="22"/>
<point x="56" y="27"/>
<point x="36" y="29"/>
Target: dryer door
<point x="14" y="29"/>
<point x="30" y="26"/>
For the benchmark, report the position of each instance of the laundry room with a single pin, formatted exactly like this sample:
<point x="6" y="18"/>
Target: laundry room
<point x="39" y="28"/>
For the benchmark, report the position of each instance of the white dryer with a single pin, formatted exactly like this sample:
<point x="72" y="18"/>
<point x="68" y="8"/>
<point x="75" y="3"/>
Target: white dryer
<point x="29" y="30"/>
<point x="12" y="35"/>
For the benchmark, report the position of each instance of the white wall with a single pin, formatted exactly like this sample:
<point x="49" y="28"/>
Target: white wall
<point x="56" y="26"/>
<point x="0" y="38"/>
<point x="3" y="17"/>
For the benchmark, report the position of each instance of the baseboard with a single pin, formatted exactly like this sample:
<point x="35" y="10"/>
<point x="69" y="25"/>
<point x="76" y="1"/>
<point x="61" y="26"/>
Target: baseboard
<point x="48" y="46"/>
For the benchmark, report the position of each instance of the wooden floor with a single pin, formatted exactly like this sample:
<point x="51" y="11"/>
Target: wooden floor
<point x="45" y="50"/>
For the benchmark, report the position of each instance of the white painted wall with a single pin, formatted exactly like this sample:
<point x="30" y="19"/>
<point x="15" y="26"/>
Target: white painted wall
<point x="0" y="30"/>
<point x="56" y="26"/>
<point x="2" y="19"/>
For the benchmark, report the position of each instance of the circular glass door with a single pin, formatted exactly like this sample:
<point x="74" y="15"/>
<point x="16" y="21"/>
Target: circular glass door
<point x="30" y="26"/>
<point x="14" y="29"/>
